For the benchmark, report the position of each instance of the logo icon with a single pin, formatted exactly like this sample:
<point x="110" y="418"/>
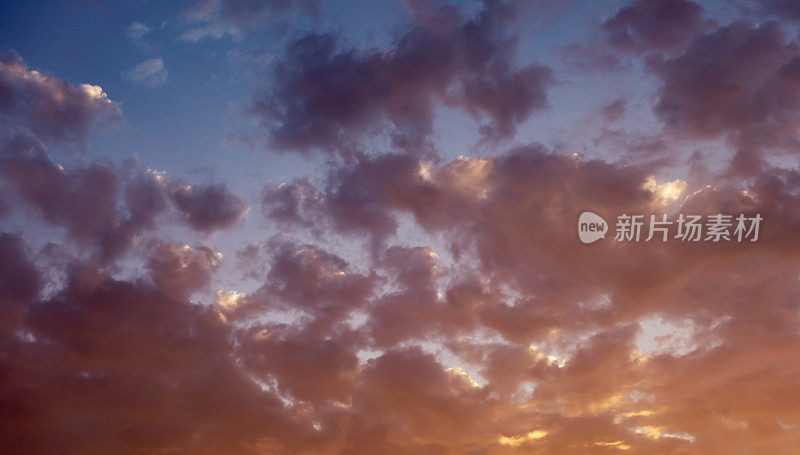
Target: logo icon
<point x="591" y="227"/>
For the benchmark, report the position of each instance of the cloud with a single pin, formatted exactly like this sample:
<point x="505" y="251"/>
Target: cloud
<point x="614" y="110"/>
<point x="19" y="278"/>
<point x="328" y="99"/>
<point x="83" y="202"/>
<point x="208" y="207"/>
<point x="644" y="27"/>
<point x="403" y="302"/>
<point x="738" y="81"/>
<point x="106" y="208"/>
<point x="514" y="337"/>
<point x="296" y="359"/>
<point x="511" y="212"/>
<point x="102" y="341"/>
<point x="655" y="25"/>
<point x="179" y="270"/>
<point x="778" y="8"/>
<point x="136" y="30"/>
<point x="218" y="18"/>
<point x="305" y="278"/>
<point x="150" y="73"/>
<point x="51" y="109"/>
<point x="507" y="212"/>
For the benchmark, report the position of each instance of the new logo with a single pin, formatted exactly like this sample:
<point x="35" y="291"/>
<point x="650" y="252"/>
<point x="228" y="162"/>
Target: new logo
<point x="591" y="227"/>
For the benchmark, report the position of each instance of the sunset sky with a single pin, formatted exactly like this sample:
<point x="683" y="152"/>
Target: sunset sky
<point x="346" y="227"/>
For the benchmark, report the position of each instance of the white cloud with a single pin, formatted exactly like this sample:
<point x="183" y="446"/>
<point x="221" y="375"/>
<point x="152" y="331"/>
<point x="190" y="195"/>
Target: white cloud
<point x="150" y="73"/>
<point x="136" y="31"/>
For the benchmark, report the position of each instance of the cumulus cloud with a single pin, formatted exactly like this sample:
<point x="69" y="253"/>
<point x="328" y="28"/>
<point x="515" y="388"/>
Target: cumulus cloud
<point x="106" y="208"/>
<point x="614" y="110"/>
<point x="208" y="207"/>
<point x="655" y="25"/>
<point x="641" y="28"/>
<point x="737" y="81"/>
<point x="778" y="8"/>
<point x="102" y="339"/>
<point x="19" y="278"/>
<point x="327" y="98"/>
<point x="83" y="202"/>
<point x="511" y="213"/>
<point x="179" y="270"/>
<point x="150" y="73"/>
<point x="543" y="330"/>
<point x="53" y="110"/>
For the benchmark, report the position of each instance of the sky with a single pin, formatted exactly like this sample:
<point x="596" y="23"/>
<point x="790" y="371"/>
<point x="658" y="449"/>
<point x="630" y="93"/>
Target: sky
<point x="363" y="227"/>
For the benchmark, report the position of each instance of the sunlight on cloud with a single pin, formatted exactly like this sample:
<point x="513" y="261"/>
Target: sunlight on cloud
<point x="229" y="300"/>
<point x="516" y="441"/>
<point x="96" y="93"/>
<point x="463" y="374"/>
<point x="616" y="444"/>
<point x="665" y="193"/>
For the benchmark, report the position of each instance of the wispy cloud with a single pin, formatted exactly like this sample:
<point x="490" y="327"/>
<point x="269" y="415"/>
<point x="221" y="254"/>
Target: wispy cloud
<point x="136" y="30"/>
<point x="150" y="73"/>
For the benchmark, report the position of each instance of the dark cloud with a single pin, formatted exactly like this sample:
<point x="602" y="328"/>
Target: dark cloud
<point x="327" y="98"/>
<point x="644" y="27"/>
<point x="349" y="204"/>
<point x="410" y="388"/>
<point x="179" y="270"/>
<point x="4" y="207"/>
<point x="297" y="359"/>
<point x="515" y="213"/>
<point x="35" y="102"/>
<point x="614" y="110"/>
<point x="545" y="330"/>
<point x="306" y="278"/>
<point x="85" y="200"/>
<point x="106" y="207"/>
<point x="413" y="311"/>
<point x="656" y="25"/>
<point x="738" y="81"/>
<point x="515" y="208"/>
<point x="118" y="366"/>
<point x="250" y="260"/>
<point x="783" y="9"/>
<point x="290" y="203"/>
<point x="19" y="280"/>
<point x="208" y="207"/>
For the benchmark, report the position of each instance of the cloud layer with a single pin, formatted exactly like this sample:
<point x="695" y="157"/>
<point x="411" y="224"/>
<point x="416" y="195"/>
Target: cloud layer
<point x="401" y="301"/>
